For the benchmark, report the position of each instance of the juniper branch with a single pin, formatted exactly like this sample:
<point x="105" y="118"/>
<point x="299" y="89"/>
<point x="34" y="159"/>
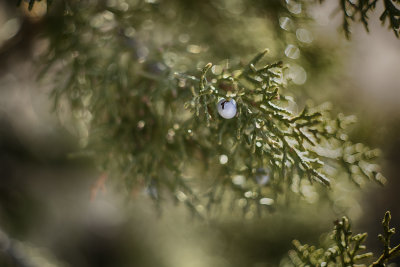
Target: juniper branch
<point x="148" y="126"/>
<point x="361" y="9"/>
<point x="388" y="252"/>
<point x="344" y="248"/>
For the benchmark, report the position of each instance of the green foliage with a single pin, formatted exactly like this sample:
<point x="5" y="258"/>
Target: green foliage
<point x="149" y="120"/>
<point x="352" y="11"/>
<point x="388" y="252"/>
<point x="130" y="79"/>
<point x="344" y="248"/>
<point x="268" y="135"/>
<point x="361" y="9"/>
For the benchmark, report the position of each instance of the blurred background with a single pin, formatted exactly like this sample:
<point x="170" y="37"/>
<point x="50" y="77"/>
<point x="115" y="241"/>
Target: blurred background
<point x="47" y="217"/>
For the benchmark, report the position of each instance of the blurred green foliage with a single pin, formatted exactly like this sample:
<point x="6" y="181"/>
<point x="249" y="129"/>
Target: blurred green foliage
<point x="347" y="248"/>
<point x="123" y="72"/>
<point x="130" y="82"/>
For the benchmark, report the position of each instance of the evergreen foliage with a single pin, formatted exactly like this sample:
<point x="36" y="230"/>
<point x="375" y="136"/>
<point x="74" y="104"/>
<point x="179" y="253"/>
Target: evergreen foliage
<point x="148" y="117"/>
<point x="361" y="9"/>
<point x="268" y="136"/>
<point x="345" y="248"/>
<point x="352" y="11"/>
<point x="131" y="80"/>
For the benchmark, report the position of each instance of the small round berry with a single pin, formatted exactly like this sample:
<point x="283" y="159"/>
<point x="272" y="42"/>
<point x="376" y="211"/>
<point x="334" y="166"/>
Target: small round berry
<point x="263" y="176"/>
<point x="227" y="109"/>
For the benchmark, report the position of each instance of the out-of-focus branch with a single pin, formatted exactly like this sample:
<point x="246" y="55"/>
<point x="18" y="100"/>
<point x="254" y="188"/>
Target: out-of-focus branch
<point x="8" y="246"/>
<point x="23" y="255"/>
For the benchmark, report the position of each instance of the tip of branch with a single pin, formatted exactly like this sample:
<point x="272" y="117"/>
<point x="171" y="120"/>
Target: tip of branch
<point x="206" y="68"/>
<point x="387" y="218"/>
